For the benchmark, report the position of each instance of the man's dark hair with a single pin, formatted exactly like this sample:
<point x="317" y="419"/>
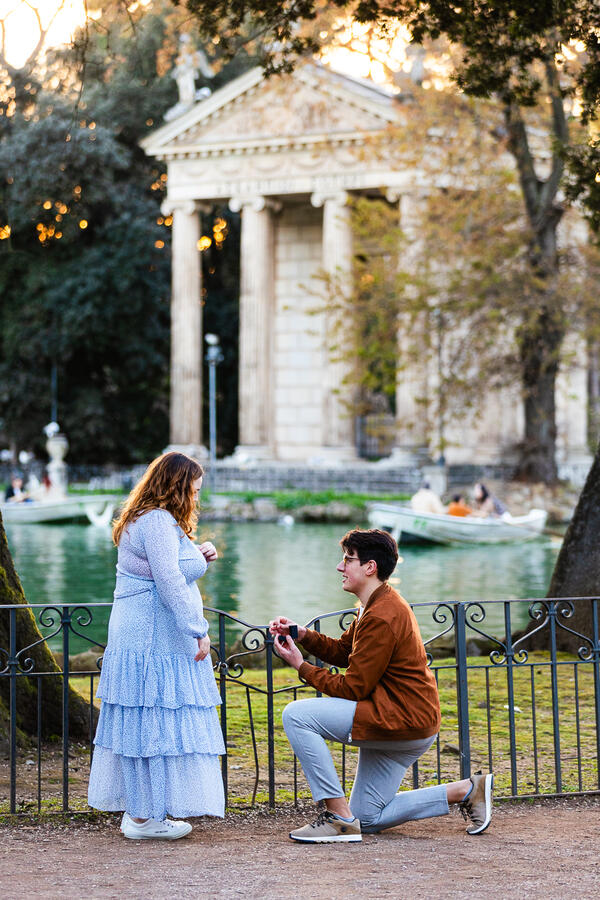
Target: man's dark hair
<point x="373" y="544"/>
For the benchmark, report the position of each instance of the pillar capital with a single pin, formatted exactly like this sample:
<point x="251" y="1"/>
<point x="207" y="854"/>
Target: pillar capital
<point x="256" y="202"/>
<point x="340" y="198"/>
<point x="187" y="207"/>
<point x="393" y="194"/>
<point x="168" y="207"/>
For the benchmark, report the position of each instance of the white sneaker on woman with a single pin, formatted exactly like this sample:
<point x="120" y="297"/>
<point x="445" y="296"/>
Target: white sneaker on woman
<point x="167" y="830"/>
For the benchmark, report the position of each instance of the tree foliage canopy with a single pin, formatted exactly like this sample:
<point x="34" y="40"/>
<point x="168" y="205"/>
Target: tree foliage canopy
<point x="85" y="273"/>
<point x="85" y="259"/>
<point x="504" y="48"/>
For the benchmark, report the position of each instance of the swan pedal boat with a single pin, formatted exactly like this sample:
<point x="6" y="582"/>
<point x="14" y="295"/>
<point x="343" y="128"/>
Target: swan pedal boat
<point x="97" y="508"/>
<point x="407" y="525"/>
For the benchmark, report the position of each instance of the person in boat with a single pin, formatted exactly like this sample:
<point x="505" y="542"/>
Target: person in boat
<point x="458" y="506"/>
<point x="158" y="740"/>
<point x="427" y="501"/>
<point x="14" y="492"/>
<point x="485" y="503"/>
<point x="386" y="703"/>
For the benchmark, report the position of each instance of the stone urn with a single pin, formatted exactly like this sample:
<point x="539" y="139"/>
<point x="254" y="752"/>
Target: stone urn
<point x="57" y="446"/>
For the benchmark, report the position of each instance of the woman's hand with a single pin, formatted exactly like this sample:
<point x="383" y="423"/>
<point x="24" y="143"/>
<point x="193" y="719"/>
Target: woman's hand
<point x="208" y="551"/>
<point x="289" y="652"/>
<point x="281" y="625"/>
<point x="203" y="648"/>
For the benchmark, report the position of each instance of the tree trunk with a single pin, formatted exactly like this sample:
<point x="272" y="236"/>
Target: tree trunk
<point x="540" y="343"/>
<point x="593" y="386"/>
<point x="11" y="592"/>
<point x="577" y="569"/>
<point x="543" y="326"/>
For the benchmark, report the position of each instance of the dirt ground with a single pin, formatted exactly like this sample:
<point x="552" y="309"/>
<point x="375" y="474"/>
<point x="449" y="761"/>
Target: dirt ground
<point x="542" y="850"/>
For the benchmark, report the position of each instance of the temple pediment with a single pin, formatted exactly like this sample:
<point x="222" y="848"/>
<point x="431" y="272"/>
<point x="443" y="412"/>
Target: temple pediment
<point x="312" y="105"/>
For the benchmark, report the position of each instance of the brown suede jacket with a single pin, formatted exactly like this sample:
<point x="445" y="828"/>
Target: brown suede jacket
<point x="386" y="671"/>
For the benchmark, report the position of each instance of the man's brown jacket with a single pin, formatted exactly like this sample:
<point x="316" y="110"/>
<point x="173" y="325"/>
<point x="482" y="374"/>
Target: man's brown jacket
<point x="387" y="672"/>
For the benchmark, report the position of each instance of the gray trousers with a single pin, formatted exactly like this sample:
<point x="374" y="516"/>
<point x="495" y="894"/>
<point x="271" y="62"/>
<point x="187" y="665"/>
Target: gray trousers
<point x="381" y="765"/>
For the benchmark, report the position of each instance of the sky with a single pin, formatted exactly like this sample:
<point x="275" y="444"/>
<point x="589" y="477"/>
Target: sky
<point x="356" y="57"/>
<point x="22" y="28"/>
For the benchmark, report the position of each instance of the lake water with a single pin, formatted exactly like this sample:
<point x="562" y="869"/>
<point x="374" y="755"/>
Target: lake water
<point x="266" y="569"/>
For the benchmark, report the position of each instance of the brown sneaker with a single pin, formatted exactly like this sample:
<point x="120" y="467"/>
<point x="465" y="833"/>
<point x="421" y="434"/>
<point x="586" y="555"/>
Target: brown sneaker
<point x="327" y="829"/>
<point x="478" y="805"/>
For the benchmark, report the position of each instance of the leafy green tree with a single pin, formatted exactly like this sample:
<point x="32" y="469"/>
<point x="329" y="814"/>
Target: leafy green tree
<point x="85" y="273"/>
<point x="85" y="259"/>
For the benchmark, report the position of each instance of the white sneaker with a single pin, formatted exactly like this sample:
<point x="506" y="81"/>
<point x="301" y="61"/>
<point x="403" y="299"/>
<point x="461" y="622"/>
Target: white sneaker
<point x="126" y="818"/>
<point x="167" y="830"/>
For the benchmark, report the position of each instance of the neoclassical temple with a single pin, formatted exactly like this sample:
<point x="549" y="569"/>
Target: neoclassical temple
<point x="287" y="153"/>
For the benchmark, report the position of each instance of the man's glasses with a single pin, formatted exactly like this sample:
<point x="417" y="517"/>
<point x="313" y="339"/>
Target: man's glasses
<point x="346" y="559"/>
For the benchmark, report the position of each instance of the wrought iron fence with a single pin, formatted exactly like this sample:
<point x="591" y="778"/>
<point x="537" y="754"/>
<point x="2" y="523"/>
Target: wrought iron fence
<point x="532" y="717"/>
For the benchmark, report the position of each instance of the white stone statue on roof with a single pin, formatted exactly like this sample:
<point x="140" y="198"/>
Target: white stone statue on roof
<point x="189" y="63"/>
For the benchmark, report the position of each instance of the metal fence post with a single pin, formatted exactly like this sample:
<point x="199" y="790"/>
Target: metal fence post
<point x="12" y="707"/>
<point x="510" y="688"/>
<point x="270" y="717"/>
<point x="318" y="662"/>
<point x="65" y="621"/>
<point x="462" y="690"/>
<point x="552" y="612"/>
<point x="596" y="656"/>
<point x="223" y="691"/>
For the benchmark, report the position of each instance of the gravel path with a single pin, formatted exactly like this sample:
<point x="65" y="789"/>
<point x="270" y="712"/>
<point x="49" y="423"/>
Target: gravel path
<point x="545" y="850"/>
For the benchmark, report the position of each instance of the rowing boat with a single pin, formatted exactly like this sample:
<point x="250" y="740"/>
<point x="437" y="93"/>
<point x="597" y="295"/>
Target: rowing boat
<point x="96" y="508"/>
<point x="407" y="525"/>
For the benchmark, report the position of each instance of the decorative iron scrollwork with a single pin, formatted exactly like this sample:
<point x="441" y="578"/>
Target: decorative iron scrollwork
<point x="474" y="615"/>
<point x="83" y="617"/>
<point x="440" y="615"/>
<point x="345" y="620"/>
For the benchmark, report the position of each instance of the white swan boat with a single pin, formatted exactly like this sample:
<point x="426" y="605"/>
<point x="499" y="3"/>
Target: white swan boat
<point x="96" y="508"/>
<point x="406" y="524"/>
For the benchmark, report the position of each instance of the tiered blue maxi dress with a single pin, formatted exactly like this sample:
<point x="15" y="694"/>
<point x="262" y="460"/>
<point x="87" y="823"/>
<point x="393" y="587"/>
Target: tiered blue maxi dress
<point x="158" y="739"/>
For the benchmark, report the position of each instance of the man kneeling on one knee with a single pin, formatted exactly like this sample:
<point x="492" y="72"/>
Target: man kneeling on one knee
<point x="386" y="703"/>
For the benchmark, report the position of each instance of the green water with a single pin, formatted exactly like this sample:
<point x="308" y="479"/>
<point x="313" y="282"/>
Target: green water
<point x="267" y="569"/>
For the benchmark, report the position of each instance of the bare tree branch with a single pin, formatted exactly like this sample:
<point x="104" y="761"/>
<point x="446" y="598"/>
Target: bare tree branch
<point x="42" y="34"/>
<point x="519" y="146"/>
<point x="2" y="42"/>
<point x="560" y="129"/>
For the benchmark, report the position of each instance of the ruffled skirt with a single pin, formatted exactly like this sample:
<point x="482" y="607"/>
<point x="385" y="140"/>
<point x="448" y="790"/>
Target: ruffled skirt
<point x="158" y="739"/>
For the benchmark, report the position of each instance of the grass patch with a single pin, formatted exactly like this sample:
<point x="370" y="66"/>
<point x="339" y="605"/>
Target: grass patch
<point x="76" y="491"/>
<point x="290" y="500"/>
<point x="488" y="719"/>
<point x="489" y="734"/>
<point x="488" y="691"/>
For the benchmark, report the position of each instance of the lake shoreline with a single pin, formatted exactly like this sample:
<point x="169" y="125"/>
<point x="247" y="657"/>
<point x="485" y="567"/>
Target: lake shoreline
<point x="298" y="506"/>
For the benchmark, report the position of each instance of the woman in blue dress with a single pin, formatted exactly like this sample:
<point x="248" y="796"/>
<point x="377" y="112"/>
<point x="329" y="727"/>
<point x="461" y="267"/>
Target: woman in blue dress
<point x="158" y="740"/>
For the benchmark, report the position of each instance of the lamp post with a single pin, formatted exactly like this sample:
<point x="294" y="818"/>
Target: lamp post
<point x="213" y="357"/>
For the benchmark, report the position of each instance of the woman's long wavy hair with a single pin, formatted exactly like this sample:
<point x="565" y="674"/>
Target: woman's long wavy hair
<point x="167" y="483"/>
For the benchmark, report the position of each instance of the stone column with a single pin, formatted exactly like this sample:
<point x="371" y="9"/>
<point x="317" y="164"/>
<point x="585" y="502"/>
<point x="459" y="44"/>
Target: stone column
<point x="257" y="274"/>
<point x="412" y="379"/>
<point x="572" y="451"/>
<point x="186" y="330"/>
<point x="338" y="420"/>
<point x="576" y="384"/>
